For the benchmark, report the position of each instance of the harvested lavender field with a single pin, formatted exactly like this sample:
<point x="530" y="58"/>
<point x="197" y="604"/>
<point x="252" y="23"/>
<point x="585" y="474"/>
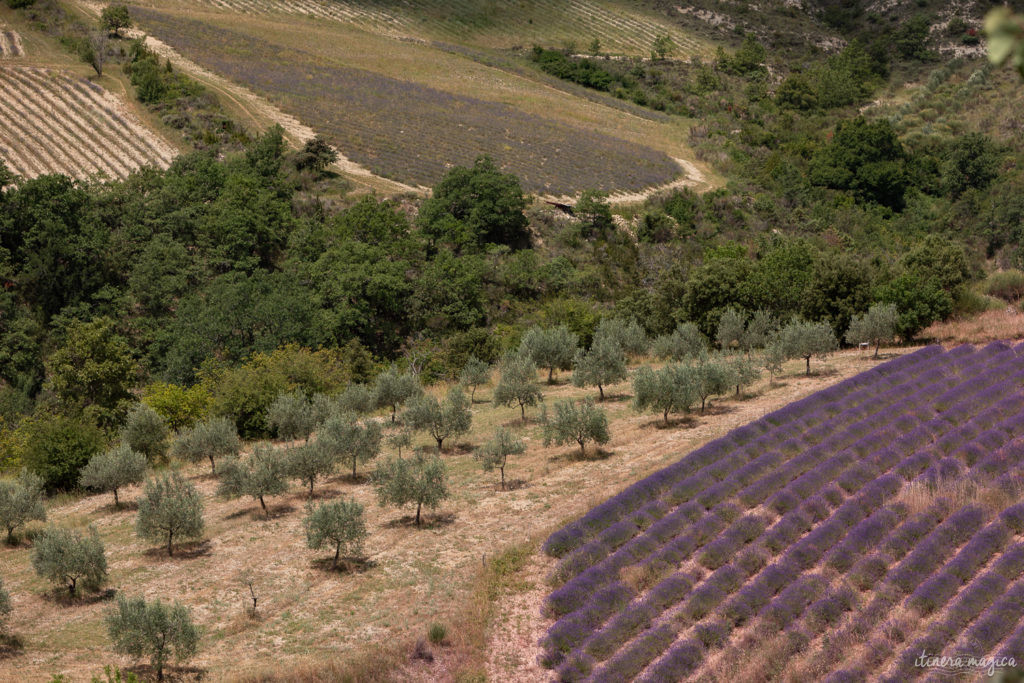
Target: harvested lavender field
<point x="837" y="538"/>
<point x="413" y="133"/>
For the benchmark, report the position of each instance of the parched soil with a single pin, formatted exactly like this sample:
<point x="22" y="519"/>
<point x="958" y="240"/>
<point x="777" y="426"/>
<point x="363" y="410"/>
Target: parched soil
<point x="10" y="44"/>
<point x="52" y="122"/>
<point x="409" y="577"/>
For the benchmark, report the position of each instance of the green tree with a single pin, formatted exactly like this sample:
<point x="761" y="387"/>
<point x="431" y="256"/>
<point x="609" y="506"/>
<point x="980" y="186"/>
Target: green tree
<point x="938" y="260"/>
<point x="260" y="474"/>
<point x="668" y="390"/>
<point x="972" y="162"/>
<point x="292" y="416"/>
<point x="494" y="454"/>
<point x="422" y="480"/>
<point x="920" y="302"/>
<point x="912" y="37"/>
<point x="663" y="46"/>
<point x="803" y="339"/>
<point x="348" y="441"/>
<point x="441" y="419"/>
<point x="339" y="524"/>
<point x="731" y="329"/>
<point x="114" y="469"/>
<point x="759" y="330"/>
<point x="316" y="155"/>
<point x="178" y="405"/>
<point x="876" y="326"/>
<point x="138" y="628"/>
<point x="393" y="388"/>
<point x="719" y="284"/>
<point x="308" y="462"/>
<point x="581" y="422"/>
<point x="839" y="288"/>
<point x="113" y="18"/>
<point x="517" y="383"/>
<point x="865" y="158"/>
<point x="93" y="371"/>
<point x="626" y="333"/>
<point x="57" y="447"/>
<point x="602" y="365"/>
<point x="21" y="501"/>
<point x="553" y="348"/>
<point x="475" y="206"/>
<point x="594" y="214"/>
<point x="474" y="373"/>
<point x="213" y="438"/>
<point x="146" y="432"/>
<point x="686" y="341"/>
<point x="67" y="557"/>
<point x="170" y="507"/>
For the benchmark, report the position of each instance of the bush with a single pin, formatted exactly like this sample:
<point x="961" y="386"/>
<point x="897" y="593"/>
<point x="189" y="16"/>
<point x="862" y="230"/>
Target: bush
<point x="114" y="469"/>
<point x="139" y="628"/>
<point x="1005" y="284"/>
<point x="179" y="406"/>
<point x="437" y="633"/>
<point x="21" y="501"/>
<point x="170" y="506"/>
<point x="57" y="447"/>
<point x="260" y="474"/>
<point x="146" y="431"/>
<point x="67" y="557"/>
<point x="214" y="438"/>
<point x="339" y="524"/>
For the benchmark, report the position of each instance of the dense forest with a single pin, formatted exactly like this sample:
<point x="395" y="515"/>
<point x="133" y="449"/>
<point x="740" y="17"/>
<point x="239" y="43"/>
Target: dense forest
<point x="229" y="277"/>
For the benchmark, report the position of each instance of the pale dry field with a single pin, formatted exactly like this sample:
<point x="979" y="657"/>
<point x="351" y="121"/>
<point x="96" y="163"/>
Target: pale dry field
<point x="412" y="578"/>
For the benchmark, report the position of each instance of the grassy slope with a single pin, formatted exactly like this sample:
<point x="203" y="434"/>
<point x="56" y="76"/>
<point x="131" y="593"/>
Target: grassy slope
<point x="416" y="577"/>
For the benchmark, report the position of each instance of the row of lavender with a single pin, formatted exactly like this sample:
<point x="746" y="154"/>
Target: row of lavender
<point x="825" y="467"/>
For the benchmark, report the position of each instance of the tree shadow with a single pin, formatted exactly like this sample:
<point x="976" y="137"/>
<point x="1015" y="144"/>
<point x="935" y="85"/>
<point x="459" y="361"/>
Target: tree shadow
<point x="145" y="672"/>
<point x="125" y="506"/>
<point x="713" y="409"/>
<point x="459" y="449"/>
<point x="346" y="565"/>
<point x="182" y="551"/>
<point x="319" y="493"/>
<point x="427" y="521"/>
<point x="357" y="480"/>
<point x="614" y="398"/>
<point x="59" y="596"/>
<point x="589" y="455"/>
<point x="10" y="646"/>
<point x="684" y="422"/>
<point x="257" y="512"/>
<point x="514" y="484"/>
<point x="521" y="422"/>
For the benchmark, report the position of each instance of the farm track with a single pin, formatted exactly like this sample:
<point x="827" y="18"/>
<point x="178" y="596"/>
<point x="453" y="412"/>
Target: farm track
<point x="54" y="123"/>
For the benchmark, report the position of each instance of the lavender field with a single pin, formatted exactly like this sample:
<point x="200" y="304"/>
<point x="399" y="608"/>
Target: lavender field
<point x="410" y="132"/>
<point x="835" y="539"/>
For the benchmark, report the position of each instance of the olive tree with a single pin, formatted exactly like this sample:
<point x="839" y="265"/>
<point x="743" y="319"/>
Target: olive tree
<point x="399" y="440"/>
<point x="160" y="631"/>
<point x="170" y="507"/>
<point x="310" y="461"/>
<point x="113" y="18"/>
<point x="685" y="342"/>
<point x="803" y="339"/>
<point x="626" y="333"/>
<point x="422" y="480"/>
<point x="146" y="431"/>
<point x="475" y="373"/>
<point x="494" y="454"/>
<point x="603" y="364"/>
<point x="731" y="329"/>
<point x="581" y="422"/>
<point x="21" y="501"/>
<point x="876" y="326"/>
<point x="759" y="330"/>
<point x="744" y="371"/>
<point x="259" y="474"/>
<point x="553" y="348"/>
<point x="671" y="389"/>
<point x="347" y="441"/>
<point x="441" y="419"/>
<point x="393" y="388"/>
<point x="211" y="439"/>
<point x="773" y="358"/>
<point x="338" y="524"/>
<point x="291" y="416"/>
<point x="113" y="470"/>
<point x="517" y="383"/>
<point x="712" y="377"/>
<point x="69" y="558"/>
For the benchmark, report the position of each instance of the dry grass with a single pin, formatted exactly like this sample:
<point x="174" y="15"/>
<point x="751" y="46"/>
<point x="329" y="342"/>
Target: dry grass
<point x="320" y="625"/>
<point x="1006" y="323"/>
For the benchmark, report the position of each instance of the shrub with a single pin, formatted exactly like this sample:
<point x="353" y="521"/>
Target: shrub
<point x="170" y="506"/>
<point x="1005" y="284"/>
<point x="437" y="633"/>
<point x="339" y="524"/>
<point x="21" y="501"/>
<point x="260" y="474"/>
<point x="145" y="432"/>
<point x="581" y="422"/>
<point x="138" y="628"/>
<point x="421" y="480"/>
<point x="441" y="419"/>
<point x="291" y="416"/>
<point x="494" y="454"/>
<point x="346" y="440"/>
<point x="114" y="469"/>
<point x="179" y="406"/>
<point x="67" y="557"/>
<point x="214" y="438"/>
<point x="57" y="447"/>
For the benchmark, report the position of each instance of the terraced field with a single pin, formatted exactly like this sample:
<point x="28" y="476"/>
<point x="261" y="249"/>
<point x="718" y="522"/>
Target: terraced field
<point x="10" y="44"/>
<point x="494" y="23"/>
<point x="835" y="539"/>
<point x="51" y="122"/>
<point x="411" y="132"/>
